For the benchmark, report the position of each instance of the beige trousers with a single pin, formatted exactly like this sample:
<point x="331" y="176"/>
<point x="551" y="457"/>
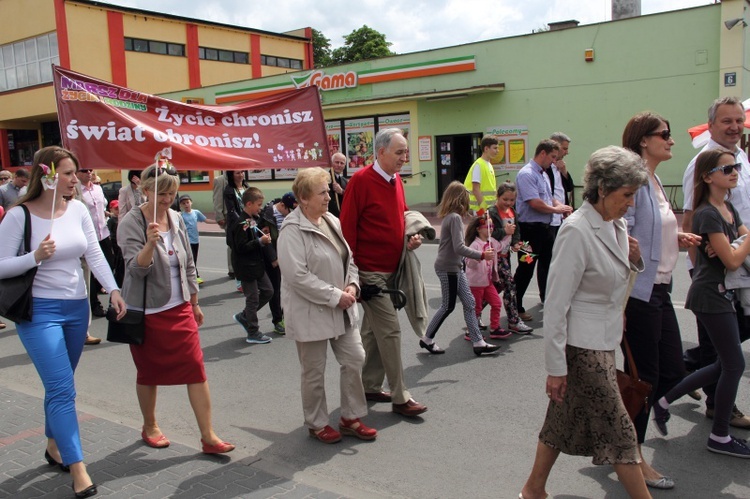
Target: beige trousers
<point x="381" y="337"/>
<point x="350" y="355"/>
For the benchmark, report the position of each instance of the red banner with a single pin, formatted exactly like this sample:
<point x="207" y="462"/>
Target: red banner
<point x="114" y="127"/>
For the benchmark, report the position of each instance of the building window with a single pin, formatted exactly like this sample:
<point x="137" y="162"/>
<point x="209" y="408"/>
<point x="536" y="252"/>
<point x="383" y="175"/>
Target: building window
<point x="280" y="62"/>
<point x="26" y="63"/>
<point x="210" y="54"/>
<point x="194" y="177"/>
<point x="154" y="47"/>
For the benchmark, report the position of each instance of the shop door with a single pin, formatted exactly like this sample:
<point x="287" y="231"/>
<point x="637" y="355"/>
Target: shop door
<point x="455" y="155"/>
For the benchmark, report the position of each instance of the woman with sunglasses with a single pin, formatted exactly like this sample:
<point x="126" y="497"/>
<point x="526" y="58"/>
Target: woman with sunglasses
<point x="651" y="326"/>
<point x="55" y="335"/>
<point x="157" y="250"/>
<point x="718" y="222"/>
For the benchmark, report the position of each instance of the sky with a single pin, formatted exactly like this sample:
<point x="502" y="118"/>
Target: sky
<point x="410" y="26"/>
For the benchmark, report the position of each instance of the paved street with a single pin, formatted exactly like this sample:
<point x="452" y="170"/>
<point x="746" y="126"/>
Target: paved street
<point x="476" y="440"/>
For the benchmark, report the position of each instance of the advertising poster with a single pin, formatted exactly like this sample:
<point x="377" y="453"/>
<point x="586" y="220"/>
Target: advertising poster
<point x="359" y="150"/>
<point x="264" y="174"/>
<point x="513" y="146"/>
<point x="400" y="121"/>
<point x="333" y="132"/>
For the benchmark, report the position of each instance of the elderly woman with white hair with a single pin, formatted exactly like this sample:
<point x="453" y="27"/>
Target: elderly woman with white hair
<point x="592" y="260"/>
<point x="320" y="285"/>
<point x="157" y="255"/>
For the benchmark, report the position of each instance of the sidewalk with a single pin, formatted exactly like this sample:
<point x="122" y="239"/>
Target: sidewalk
<point x="122" y="465"/>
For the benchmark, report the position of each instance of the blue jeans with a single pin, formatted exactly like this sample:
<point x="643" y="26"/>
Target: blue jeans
<point x="54" y="340"/>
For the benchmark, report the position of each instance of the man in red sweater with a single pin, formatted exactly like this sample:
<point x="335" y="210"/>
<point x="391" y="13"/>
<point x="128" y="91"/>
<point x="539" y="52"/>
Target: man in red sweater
<point x="372" y="220"/>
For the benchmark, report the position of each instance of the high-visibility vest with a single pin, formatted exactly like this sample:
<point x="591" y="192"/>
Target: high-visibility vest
<point x="487" y="186"/>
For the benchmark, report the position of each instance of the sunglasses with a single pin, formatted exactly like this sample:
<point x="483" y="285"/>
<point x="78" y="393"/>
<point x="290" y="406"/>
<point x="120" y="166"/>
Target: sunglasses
<point x="664" y="134"/>
<point x="727" y="169"/>
<point x="85" y="171"/>
<point x="169" y="170"/>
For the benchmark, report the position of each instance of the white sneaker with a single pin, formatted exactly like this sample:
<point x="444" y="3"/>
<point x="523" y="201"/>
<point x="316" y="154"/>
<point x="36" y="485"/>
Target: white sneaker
<point x="520" y="327"/>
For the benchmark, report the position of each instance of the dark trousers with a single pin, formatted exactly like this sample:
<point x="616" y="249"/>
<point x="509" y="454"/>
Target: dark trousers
<point x="274" y="275"/>
<point x="653" y="334"/>
<point x="541" y="238"/>
<point x="705" y="354"/>
<point x="726" y="372"/>
<point x="94" y="285"/>
<point x="257" y="294"/>
<point x="194" y="250"/>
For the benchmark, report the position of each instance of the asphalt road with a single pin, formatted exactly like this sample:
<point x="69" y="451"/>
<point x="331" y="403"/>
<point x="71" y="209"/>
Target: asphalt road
<point x="476" y="440"/>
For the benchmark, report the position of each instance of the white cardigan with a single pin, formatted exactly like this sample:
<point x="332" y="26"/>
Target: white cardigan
<point x="586" y="287"/>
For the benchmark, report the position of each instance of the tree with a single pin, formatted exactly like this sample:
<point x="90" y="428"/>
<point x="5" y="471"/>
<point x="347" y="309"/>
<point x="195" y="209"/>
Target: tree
<point x="321" y="49"/>
<point x="360" y="45"/>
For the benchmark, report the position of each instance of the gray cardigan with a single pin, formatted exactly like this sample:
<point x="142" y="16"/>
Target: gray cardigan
<point x="452" y="247"/>
<point x="131" y="238"/>
<point x="644" y="224"/>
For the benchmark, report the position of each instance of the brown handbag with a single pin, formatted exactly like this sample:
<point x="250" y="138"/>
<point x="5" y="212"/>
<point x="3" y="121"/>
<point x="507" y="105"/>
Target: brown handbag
<point x="634" y="391"/>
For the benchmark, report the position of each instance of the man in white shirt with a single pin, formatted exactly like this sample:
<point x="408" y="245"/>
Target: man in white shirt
<point x="93" y="197"/>
<point x="726" y="124"/>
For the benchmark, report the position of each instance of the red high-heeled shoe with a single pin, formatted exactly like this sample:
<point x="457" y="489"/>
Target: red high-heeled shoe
<point x="220" y="448"/>
<point x="362" y="432"/>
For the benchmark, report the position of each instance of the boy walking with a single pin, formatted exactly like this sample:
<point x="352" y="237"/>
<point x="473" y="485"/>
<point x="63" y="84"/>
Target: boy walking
<point x="247" y="241"/>
<point x="191" y="218"/>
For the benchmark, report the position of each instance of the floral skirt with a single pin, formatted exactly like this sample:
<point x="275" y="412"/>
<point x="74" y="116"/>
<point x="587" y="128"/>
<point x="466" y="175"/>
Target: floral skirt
<point x="592" y="420"/>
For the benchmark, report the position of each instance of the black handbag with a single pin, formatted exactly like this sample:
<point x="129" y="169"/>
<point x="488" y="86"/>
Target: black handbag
<point x="16" y="302"/>
<point x="131" y="328"/>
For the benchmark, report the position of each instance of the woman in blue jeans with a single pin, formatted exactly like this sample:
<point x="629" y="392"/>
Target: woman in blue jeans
<point x="55" y="336"/>
<point x="716" y="220"/>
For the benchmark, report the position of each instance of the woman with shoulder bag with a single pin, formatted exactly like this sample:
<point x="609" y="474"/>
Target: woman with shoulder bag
<point x="55" y="335"/>
<point x="158" y="251"/>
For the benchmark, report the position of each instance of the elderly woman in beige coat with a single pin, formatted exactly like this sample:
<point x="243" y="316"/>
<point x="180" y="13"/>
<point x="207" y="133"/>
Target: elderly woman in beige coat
<point x="319" y="289"/>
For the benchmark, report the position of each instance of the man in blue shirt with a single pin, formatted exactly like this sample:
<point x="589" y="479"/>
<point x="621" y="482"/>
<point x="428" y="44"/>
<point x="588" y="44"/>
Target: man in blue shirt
<point x="535" y="206"/>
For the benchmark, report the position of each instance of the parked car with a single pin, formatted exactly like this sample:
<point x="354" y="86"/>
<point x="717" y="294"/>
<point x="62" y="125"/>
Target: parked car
<point x="111" y="190"/>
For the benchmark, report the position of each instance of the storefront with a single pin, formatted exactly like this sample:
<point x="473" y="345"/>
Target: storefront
<point x="585" y="81"/>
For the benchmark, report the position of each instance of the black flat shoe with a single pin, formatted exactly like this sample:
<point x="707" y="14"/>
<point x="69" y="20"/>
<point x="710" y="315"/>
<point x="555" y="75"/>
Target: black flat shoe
<point x="87" y="492"/>
<point x="432" y="347"/>
<point x="486" y="349"/>
<point x="52" y="462"/>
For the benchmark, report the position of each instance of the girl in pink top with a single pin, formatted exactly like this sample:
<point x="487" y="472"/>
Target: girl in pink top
<point x="482" y="274"/>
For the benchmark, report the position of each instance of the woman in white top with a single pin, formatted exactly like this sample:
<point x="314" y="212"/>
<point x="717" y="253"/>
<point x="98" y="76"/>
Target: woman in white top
<point x="55" y="335"/>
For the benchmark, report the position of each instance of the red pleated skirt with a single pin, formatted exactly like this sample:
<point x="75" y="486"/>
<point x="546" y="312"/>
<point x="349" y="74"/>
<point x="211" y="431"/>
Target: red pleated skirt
<point x="171" y="352"/>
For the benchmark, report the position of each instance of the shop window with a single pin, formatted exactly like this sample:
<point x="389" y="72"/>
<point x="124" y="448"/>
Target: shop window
<point x="194" y="177"/>
<point x="28" y="62"/>
<point x="154" y="47"/>
<point x="22" y="145"/>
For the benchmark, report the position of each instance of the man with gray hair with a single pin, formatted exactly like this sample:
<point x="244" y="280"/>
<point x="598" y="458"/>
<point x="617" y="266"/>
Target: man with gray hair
<point x="372" y="221"/>
<point x="11" y="191"/>
<point x="337" y="185"/>
<point x="726" y="123"/>
<point x="561" y="181"/>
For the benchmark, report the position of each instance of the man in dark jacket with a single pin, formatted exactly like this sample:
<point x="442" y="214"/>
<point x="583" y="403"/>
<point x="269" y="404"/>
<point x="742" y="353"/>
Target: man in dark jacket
<point x="270" y="222"/>
<point x="337" y="185"/>
<point x="247" y="241"/>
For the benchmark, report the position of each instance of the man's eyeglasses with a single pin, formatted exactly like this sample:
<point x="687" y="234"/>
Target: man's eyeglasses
<point x="664" y="134"/>
<point x="726" y="169"/>
<point x="169" y="170"/>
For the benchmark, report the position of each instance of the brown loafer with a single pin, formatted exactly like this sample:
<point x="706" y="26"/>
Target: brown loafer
<point x="411" y="408"/>
<point x="378" y="397"/>
<point x="90" y="340"/>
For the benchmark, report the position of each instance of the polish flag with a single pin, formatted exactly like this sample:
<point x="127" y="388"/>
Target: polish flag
<point x="700" y="134"/>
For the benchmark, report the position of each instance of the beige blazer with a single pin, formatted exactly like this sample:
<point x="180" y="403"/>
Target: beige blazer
<point x="586" y="287"/>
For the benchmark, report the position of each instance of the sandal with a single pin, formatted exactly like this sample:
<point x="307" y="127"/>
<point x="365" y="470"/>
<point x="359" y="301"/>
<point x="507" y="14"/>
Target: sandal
<point x="327" y="435"/>
<point x="357" y="428"/>
<point x="157" y="443"/>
